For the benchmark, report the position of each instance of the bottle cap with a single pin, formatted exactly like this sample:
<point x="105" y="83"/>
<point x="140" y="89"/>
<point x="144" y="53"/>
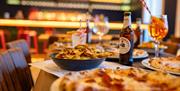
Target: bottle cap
<point x="127" y="13"/>
<point x="164" y="16"/>
<point x="138" y="19"/>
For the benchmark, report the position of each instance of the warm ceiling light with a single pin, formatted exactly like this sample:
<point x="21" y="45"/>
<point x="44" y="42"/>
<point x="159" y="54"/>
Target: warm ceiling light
<point x="59" y="24"/>
<point x="111" y="1"/>
<point x="125" y="7"/>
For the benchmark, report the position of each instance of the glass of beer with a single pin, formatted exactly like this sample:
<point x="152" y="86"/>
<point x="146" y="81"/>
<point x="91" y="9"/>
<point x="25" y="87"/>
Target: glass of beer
<point x="158" y="29"/>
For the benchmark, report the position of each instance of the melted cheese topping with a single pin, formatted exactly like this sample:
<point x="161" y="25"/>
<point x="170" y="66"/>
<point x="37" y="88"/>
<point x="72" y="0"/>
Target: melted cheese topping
<point x="119" y="80"/>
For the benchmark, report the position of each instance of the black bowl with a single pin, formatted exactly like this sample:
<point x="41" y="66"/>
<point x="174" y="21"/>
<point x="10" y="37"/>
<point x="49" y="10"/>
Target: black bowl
<point x="77" y="65"/>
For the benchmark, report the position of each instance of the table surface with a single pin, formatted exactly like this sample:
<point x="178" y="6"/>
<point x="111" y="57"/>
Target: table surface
<point x="45" y="79"/>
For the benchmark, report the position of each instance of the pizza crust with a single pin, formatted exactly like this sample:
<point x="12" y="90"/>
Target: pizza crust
<point x="132" y="79"/>
<point x="168" y="64"/>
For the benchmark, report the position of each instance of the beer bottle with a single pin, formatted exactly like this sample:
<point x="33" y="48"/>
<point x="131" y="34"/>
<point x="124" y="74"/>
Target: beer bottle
<point x="138" y="36"/>
<point x="88" y="32"/>
<point x="126" y="41"/>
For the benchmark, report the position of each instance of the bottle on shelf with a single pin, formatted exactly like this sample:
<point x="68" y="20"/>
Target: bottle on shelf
<point x="138" y="36"/>
<point x="126" y="41"/>
<point x="6" y="15"/>
<point x="88" y="32"/>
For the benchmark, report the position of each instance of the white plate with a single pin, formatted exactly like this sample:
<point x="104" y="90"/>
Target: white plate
<point x="142" y="56"/>
<point x="145" y="55"/>
<point x="146" y="63"/>
<point x="134" y="57"/>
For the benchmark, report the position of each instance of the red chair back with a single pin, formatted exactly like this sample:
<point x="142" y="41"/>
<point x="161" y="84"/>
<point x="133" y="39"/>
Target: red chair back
<point x="2" y="40"/>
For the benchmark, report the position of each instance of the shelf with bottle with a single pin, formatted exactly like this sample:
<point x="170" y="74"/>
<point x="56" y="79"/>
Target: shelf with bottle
<point x="116" y="5"/>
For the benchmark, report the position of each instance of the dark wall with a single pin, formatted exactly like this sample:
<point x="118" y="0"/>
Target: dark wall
<point x="118" y="15"/>
<point x="113" y="15"/>
<point x="170" y="10"/>
<point x="12" y="9"/>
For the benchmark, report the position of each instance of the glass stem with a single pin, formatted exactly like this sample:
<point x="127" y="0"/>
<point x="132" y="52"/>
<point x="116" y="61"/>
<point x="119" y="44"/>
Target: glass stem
<point x="100" y="39"/>
<point x="156" y="48"/>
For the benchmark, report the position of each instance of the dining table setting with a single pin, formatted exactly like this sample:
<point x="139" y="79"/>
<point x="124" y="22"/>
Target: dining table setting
<point x="65" y="61"/>
<point x="124" y="63"/>
<point x="89" y="45"/>
<point x="61" y="63"/>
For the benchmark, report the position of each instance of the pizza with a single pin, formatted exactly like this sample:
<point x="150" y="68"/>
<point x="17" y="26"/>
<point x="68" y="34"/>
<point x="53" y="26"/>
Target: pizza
<point x="139" y="52"/>
<point x="166" y="63"/>
<point x="131" y="79"/>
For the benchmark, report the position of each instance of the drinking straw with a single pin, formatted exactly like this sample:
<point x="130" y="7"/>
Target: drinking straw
<point x="145" y="5"/>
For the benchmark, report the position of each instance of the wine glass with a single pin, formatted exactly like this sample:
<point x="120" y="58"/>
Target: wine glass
<point x="158" y="29"/>
<point x="101" y="26"/>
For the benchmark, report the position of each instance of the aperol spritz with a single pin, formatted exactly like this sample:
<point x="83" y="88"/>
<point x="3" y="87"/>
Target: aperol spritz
<point x="158" y="29"/>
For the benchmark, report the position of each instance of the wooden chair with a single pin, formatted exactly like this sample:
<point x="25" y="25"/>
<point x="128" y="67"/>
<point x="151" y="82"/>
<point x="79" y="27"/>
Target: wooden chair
<point x="22" y="44"/>
<point x="49" y="32"/>
<point x="27" y="34"/>
<point x="173" y="45"/>
<point x="24" y="73"/>
<point x="1" y="80"/>
<point x="175" y="39"/>
<point x="50" y="41"/>
<point x="3" y="86"/>
<point x="9" y="72"/>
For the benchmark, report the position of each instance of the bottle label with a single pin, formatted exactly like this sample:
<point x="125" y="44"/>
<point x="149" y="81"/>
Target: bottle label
<point x="127" y="21"/>
<point x="135" y="38"/>
<point x="124" y="45"/>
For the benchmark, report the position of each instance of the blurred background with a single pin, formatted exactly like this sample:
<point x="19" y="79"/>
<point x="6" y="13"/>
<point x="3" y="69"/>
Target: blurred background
<point x="48" y="17"/>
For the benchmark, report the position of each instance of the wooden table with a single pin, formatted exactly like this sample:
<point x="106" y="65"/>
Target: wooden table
<point x="45" y="79"/>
